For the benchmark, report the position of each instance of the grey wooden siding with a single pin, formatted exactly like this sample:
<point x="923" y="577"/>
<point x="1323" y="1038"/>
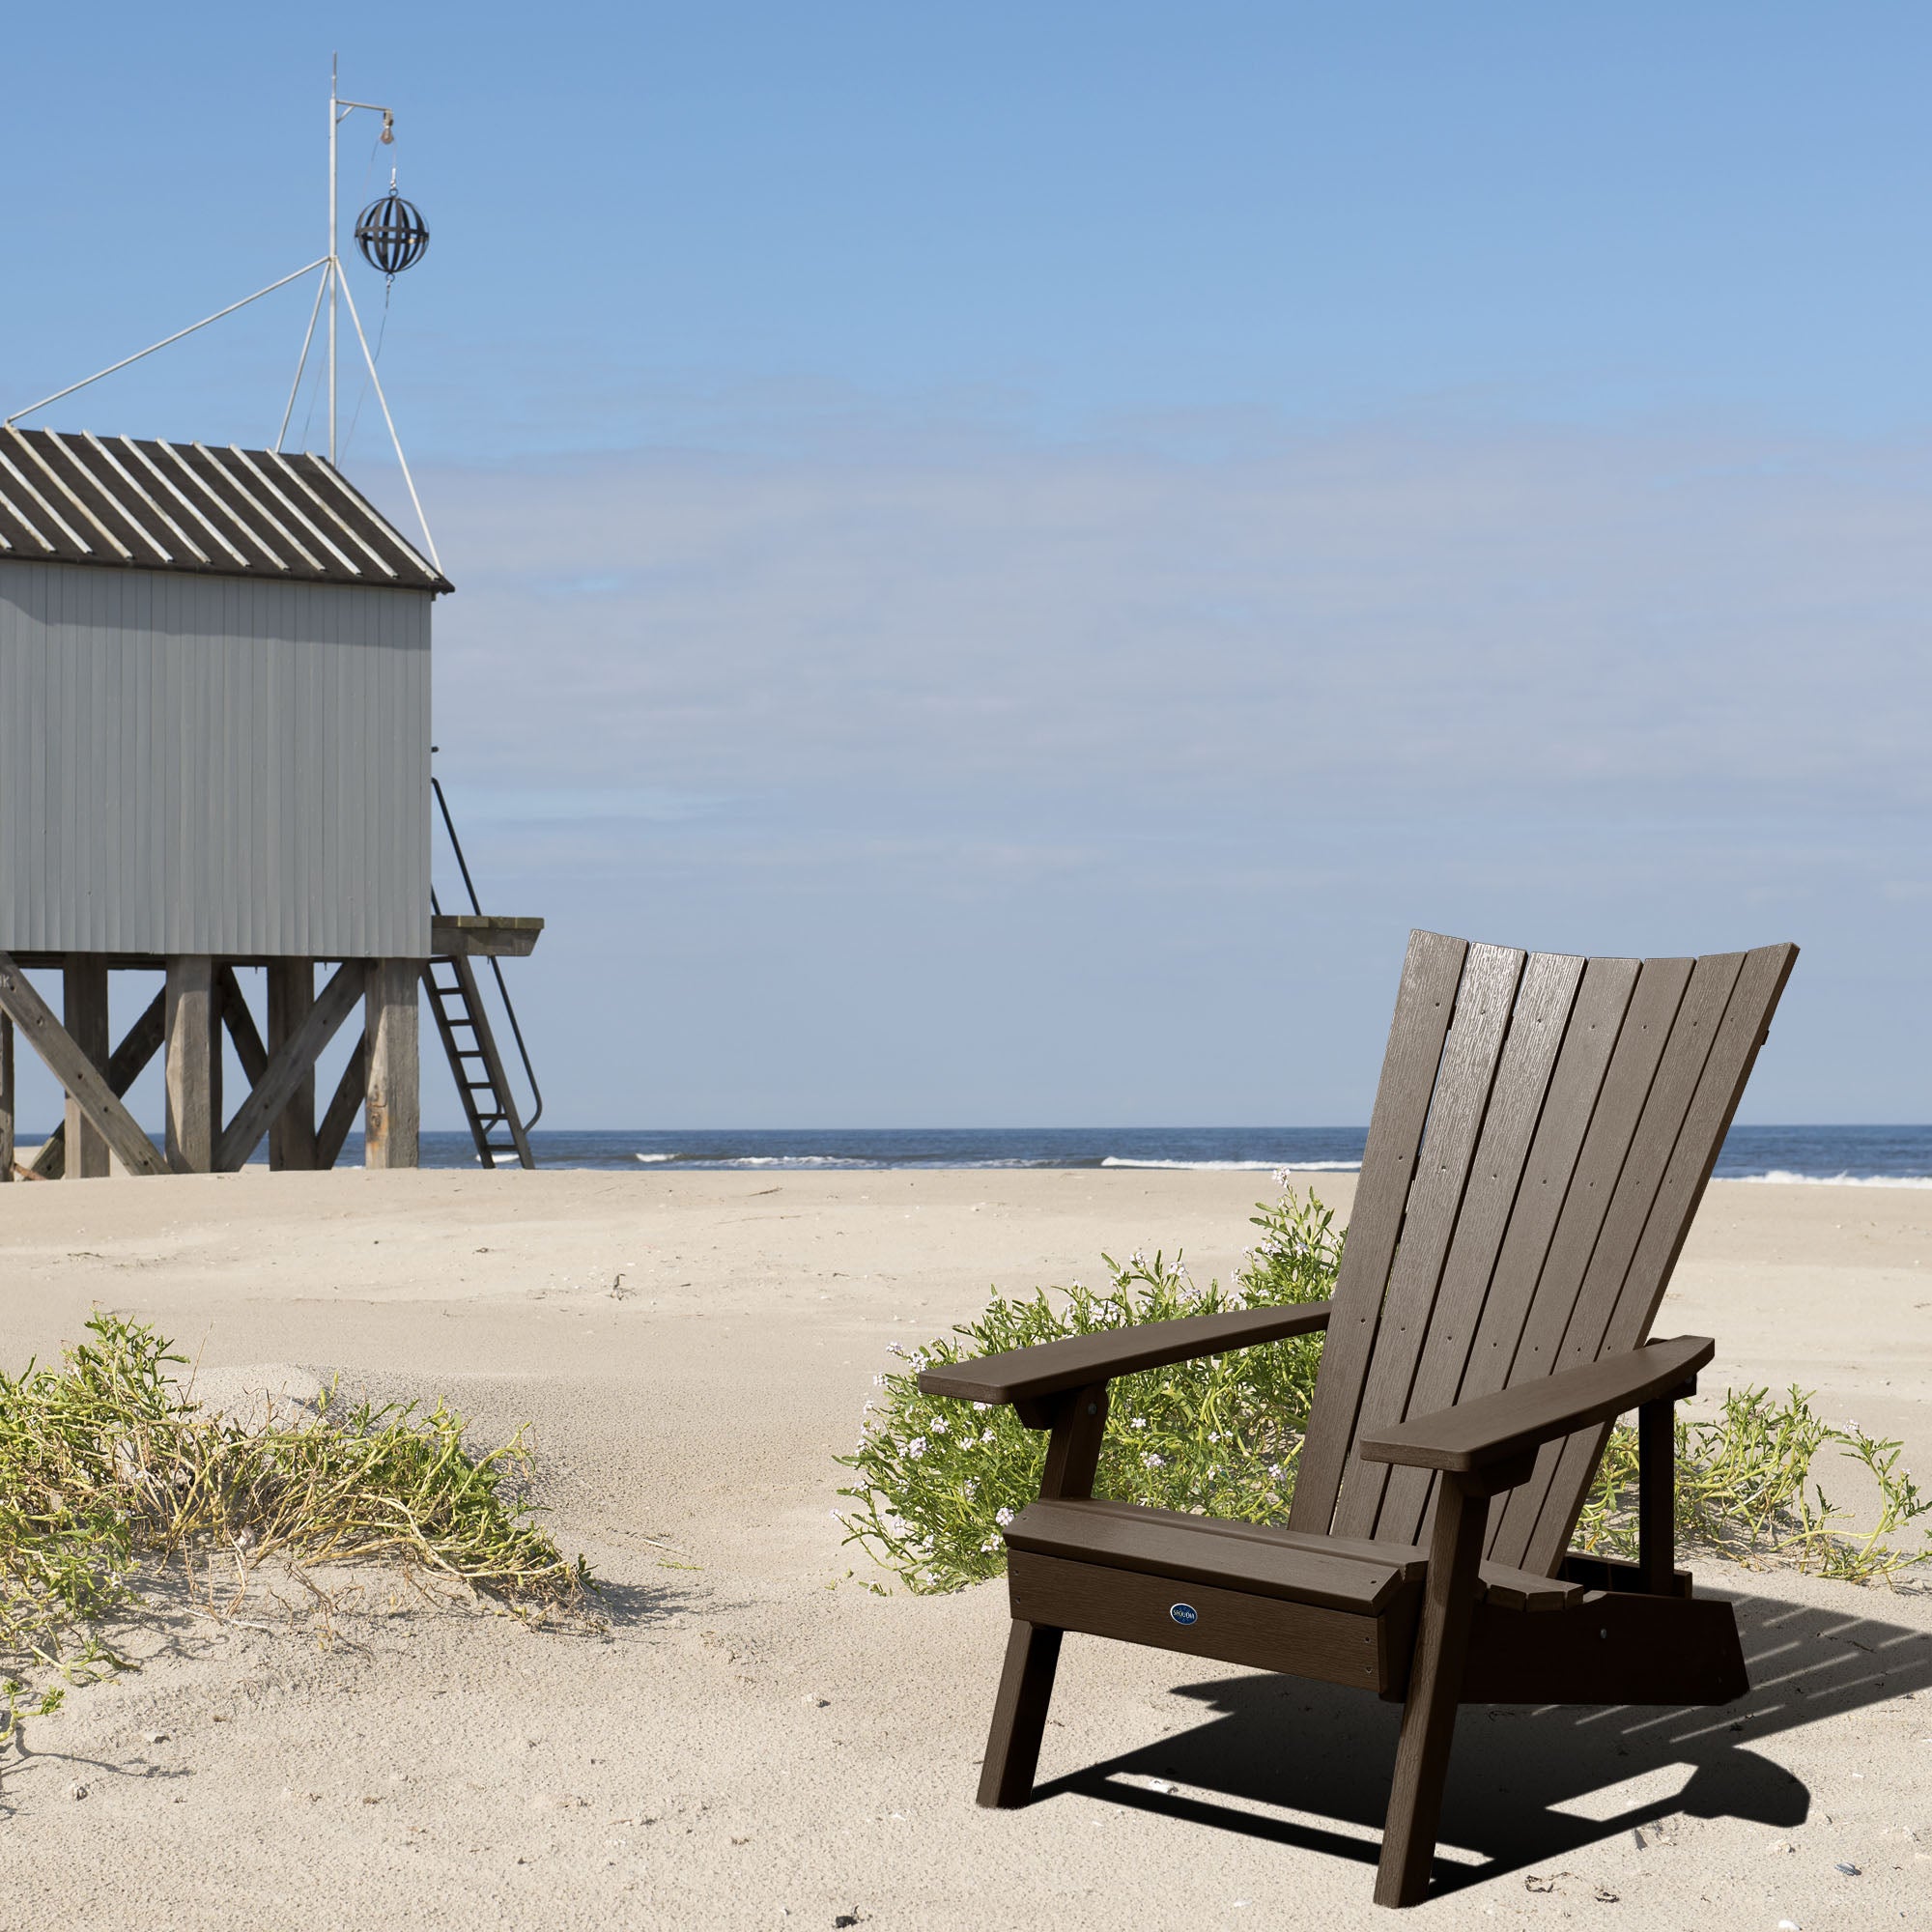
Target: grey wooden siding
<point x="201" y="764"/>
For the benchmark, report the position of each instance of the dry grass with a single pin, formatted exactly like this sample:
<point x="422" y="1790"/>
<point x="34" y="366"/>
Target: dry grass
<point x="111" y="1471"/>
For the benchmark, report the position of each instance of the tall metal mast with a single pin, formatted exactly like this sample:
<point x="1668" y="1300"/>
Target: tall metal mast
<point x="334" y="269"/>
<point x="339" y="111"/>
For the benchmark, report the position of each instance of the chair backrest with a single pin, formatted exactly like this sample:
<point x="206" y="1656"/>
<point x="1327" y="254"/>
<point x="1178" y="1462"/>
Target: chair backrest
<point x="1541" y="1139"/>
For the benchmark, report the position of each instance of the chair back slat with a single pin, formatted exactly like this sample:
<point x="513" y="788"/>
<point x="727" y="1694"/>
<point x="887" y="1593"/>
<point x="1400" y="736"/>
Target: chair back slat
<point x="1551" y="982"/>
<point x="1471" y="1057"/>
<point x="1541" y="1139"/>
<point x="1431" y="973"/>
<point x="1595" y="1025"/>
<point x="1746" y="1020"/>
<point x="1585" y="1304"/>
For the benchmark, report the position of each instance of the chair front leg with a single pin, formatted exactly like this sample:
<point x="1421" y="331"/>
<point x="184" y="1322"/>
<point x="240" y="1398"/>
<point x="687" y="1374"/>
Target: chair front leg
<point x="1435" y="1684"/>
<point x="1078" y="1420"/>
<point x="1019" y="1716"/>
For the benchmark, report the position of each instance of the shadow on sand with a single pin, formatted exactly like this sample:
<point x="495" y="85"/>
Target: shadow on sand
<point x="1326" y="1753"/>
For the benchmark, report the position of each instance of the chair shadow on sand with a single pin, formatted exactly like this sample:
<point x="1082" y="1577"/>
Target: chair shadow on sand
<point x="1326" y="1753"/>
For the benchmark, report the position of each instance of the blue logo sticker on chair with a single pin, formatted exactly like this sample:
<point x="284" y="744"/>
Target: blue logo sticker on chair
<point x="1183" y="1613"/>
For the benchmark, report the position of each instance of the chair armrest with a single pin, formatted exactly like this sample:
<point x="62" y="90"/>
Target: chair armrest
<point x="1474" y="1434"/>
<point x="1079" y="1361"/>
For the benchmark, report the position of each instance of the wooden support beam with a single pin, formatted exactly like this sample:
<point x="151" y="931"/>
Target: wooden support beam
<point x="84" y="1012"/>
<point x="77" y="1073"/>
<point x="343" y="1106"/>
<point x="6" y="1100"/>
<point x="293" y="1062"/>
<point x="292" y="1142"/>
<point x="141" y="1044"/>
<point x="392" y="1116"/>
<point x="193" y="1065"/>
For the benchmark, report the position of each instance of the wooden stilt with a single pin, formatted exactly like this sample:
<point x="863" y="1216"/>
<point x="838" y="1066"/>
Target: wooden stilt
<point x="6" y="1100"/>
<point x="142" y="1042"/>
<point x="392" y="1116"/>
<point x="291" y="995"/>
<point x="1435" y="1684"/>
<point x="84" y="1015"/>
<point x="193" y="1063"/>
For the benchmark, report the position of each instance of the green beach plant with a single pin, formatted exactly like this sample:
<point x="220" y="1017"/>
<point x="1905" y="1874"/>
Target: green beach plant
<point x="110" y="1470"/>
<point x="935" y="1480"/>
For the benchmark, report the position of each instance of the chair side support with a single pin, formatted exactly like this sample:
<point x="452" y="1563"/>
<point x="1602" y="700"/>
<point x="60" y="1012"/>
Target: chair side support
<point x="1657" y="1492"/>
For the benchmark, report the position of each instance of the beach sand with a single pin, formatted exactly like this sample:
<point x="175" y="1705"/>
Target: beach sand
<point x="761" y="1740"/>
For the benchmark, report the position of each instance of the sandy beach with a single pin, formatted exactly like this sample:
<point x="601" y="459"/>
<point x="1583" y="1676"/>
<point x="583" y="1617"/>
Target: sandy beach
<point x="759" y="1739"/>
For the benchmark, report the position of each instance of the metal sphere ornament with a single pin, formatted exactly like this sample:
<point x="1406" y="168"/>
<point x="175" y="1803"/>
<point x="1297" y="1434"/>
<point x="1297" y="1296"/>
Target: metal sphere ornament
<point x="391" y="233"/>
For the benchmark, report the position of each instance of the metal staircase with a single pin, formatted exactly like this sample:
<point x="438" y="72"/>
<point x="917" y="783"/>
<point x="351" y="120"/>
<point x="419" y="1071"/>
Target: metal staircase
<point x="499" y="1128"/>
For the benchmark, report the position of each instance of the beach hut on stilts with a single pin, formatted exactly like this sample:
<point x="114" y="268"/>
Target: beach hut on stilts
<point x="215" y="763"/>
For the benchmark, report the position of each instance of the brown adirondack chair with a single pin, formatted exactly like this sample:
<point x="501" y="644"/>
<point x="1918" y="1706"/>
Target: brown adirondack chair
<point x="1541" y="1139"/>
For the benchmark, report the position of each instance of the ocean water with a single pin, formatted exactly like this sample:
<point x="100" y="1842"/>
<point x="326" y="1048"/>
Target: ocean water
<point x="1870" y="1157"/>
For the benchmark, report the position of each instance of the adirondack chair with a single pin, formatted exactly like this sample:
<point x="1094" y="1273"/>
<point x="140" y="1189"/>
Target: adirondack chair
<point x="1540" y="1142"/>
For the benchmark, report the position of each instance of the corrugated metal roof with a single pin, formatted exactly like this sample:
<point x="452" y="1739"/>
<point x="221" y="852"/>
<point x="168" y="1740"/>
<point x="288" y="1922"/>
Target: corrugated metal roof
<point x="67" y="498"/>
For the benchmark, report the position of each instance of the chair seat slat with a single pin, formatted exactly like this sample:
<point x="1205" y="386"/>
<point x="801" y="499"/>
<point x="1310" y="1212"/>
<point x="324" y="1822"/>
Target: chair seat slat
<point x="1263" y="1559"/>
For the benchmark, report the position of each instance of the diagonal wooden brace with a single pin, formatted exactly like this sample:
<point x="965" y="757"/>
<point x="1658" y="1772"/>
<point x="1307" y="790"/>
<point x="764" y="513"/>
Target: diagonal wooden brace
<point x="289" y="1066"/>
<point x="240" y="1024"/>
<point x="86" y="1084"/>
<point x="130" y="1061"/>
<point x="344" y="1105"/>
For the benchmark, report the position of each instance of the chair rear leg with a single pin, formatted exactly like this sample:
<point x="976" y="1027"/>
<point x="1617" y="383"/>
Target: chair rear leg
<point x="1435" y="1688"/>
<point x="1019" y="1716"/>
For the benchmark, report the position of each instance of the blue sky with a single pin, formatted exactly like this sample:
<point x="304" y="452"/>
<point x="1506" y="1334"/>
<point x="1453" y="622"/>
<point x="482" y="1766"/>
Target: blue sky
<point x="1006" y="558"/>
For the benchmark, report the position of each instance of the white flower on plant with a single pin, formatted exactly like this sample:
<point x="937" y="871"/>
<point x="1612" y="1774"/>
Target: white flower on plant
<point x="1003" y="1517"/>
<point x="986" y="1437"/>
<point x="983" y="1407"/>
<point x="1140" y="1422"/>
<point x="916" y="1448"/>
<point x="1155" y="1462"/>
<point x="940" y="1425"/>
<point x="972" y="1489"/>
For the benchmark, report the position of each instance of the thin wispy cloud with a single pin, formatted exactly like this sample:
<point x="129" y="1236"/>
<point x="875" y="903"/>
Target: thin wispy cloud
<point x="825" y="740"/>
